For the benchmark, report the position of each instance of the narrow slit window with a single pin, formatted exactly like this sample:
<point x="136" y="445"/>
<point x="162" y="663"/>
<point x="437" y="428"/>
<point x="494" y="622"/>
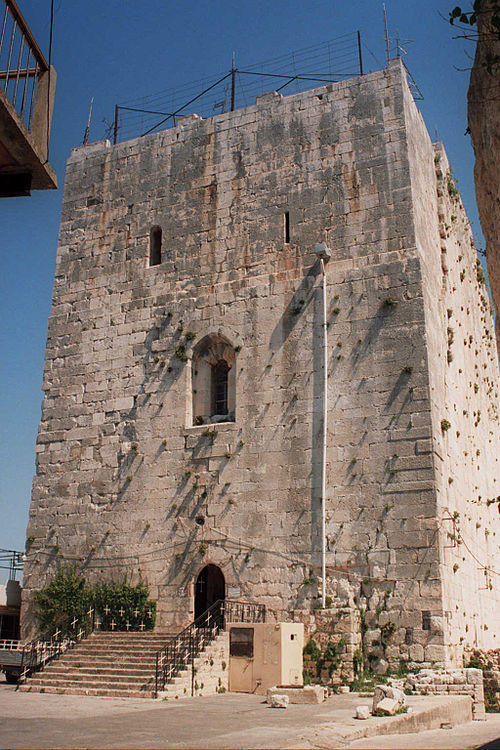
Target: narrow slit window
<point x="220" y="387"/>
<point x="155" y="246"/>
<point x="286" y="224"/>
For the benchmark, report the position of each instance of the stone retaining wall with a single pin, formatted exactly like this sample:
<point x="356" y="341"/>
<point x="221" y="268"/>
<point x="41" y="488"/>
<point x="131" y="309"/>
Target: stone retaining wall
<point x="450" y="682"/>
<point x="490" y="661"/>
<point x="337" y="637"/>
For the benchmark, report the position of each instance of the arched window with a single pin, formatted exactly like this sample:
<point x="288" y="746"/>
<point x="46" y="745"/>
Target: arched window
<point x="155" y="246"/>
<point x="214" y="381"/>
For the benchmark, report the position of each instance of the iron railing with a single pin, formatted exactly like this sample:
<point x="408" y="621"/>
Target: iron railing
<point x="25" y="658"/>
<point x="22" y="659"/>
<point x="21" y="62"/>
<point x="182" y="649"/>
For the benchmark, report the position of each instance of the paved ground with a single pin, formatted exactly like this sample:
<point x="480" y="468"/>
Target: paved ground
<point x="473" y="734"/>
<point x="46" y="721"/>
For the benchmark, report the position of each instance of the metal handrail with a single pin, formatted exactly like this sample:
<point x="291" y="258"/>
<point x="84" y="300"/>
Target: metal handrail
<point x="18" y="18"/>
<point x="21" y="62"/>
<point x="38" y="652"/>
<point x="182" y="649"/>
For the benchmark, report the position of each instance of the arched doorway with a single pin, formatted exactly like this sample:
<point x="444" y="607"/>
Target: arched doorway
<point x="209" y="587"/>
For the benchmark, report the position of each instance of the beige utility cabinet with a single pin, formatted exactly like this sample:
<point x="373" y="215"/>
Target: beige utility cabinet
<point x="262" y="655"/>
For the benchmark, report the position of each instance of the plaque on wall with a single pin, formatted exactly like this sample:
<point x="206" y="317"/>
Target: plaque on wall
<point x="233" y="592"/>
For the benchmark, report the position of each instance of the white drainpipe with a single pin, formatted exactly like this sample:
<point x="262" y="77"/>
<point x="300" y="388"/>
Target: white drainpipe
<point x="324" y="254"/>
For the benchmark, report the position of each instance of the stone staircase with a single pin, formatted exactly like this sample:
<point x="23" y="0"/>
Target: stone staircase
<point x="104" y="664"/>
<point x="192" y="662"/>
<point x="210" y="674"/>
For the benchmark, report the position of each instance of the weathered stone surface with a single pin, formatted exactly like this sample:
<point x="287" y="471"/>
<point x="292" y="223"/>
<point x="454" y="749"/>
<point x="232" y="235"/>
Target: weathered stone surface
<point x="387" y="706"/>
<point x="128" y="483"/>
<point x="388" y="699"/>
<point x="300" y="695"/>
<point x="362" y="712"/>
<point x="278" y="700"/>
<point x="380" y="666"/>
<point x="467" y="681"/>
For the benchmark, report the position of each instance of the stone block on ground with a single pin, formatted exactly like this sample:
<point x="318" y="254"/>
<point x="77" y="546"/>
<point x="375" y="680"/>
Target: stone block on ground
<point x="362" y="712"/>
<point x="387" y="706"/>
<point x="306" y="694"/>
<point x="383" y="692"/>
<point x="278" y="700"/>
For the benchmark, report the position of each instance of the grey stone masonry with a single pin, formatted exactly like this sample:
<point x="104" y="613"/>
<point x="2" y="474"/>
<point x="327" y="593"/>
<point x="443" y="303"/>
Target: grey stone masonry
<point x="151" y="466"/>
<point x="452" y="682"/>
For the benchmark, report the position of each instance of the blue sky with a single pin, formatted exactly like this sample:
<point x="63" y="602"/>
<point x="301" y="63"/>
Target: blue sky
<point x="121" y="50"/>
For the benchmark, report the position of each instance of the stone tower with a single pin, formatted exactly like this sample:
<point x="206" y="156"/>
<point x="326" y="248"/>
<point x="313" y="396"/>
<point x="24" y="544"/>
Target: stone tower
<point x="181" y="432"/>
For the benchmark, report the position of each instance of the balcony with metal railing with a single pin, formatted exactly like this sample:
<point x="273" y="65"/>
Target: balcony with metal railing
<point x="27" y="85"/>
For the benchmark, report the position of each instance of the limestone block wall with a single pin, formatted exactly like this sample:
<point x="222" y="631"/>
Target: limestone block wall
<point x="464" y="400"/>
<point x="333" y="645"/>
<point x="450" y="682"/>
<point x="126" y="484"/>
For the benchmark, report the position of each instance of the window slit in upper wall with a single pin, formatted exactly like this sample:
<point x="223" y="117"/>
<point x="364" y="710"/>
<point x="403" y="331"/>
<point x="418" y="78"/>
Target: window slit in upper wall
<point x="286" y="226"/>
<point x="155" y="246"/>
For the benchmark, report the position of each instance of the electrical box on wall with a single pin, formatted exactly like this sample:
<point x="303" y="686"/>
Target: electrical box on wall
<point x="262" y="655"/>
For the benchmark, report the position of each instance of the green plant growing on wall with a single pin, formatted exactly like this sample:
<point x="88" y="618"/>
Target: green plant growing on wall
<point x="357" y="661"/>
<point x="311" y="649"/>
<point x="66" y="595"/>
<point x="180" y="353"/>
<point x="126" y="603"/>
<point x="388" y="303"/>
<point x="451" y="186"/>
<point x="208" y="433"/>
<point x="445" y="425"/>
<point x="480" y="275"/>
<point x="388" y="629"/>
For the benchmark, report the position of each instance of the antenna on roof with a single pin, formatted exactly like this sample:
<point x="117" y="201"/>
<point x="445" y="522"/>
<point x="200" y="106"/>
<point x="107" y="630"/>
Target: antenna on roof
<point x="386" y="35"/>
<point x="233" y="83"/>
<point x="87" y="129"/>
<point x="400" y="50"/>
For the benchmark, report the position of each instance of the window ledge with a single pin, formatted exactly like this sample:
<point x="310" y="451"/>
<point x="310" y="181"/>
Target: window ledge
<point x="197" y="428"/>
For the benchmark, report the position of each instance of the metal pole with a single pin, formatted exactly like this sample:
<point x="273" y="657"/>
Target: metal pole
<point x="87" y="129"/>
<point x="156" y="677"/>
<point x="323" y="253"/>
<point x="323" y="463"/>
<point x="233" y="84"/>
<point x="360" y="55"/>
<point x="386" y="36"/>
